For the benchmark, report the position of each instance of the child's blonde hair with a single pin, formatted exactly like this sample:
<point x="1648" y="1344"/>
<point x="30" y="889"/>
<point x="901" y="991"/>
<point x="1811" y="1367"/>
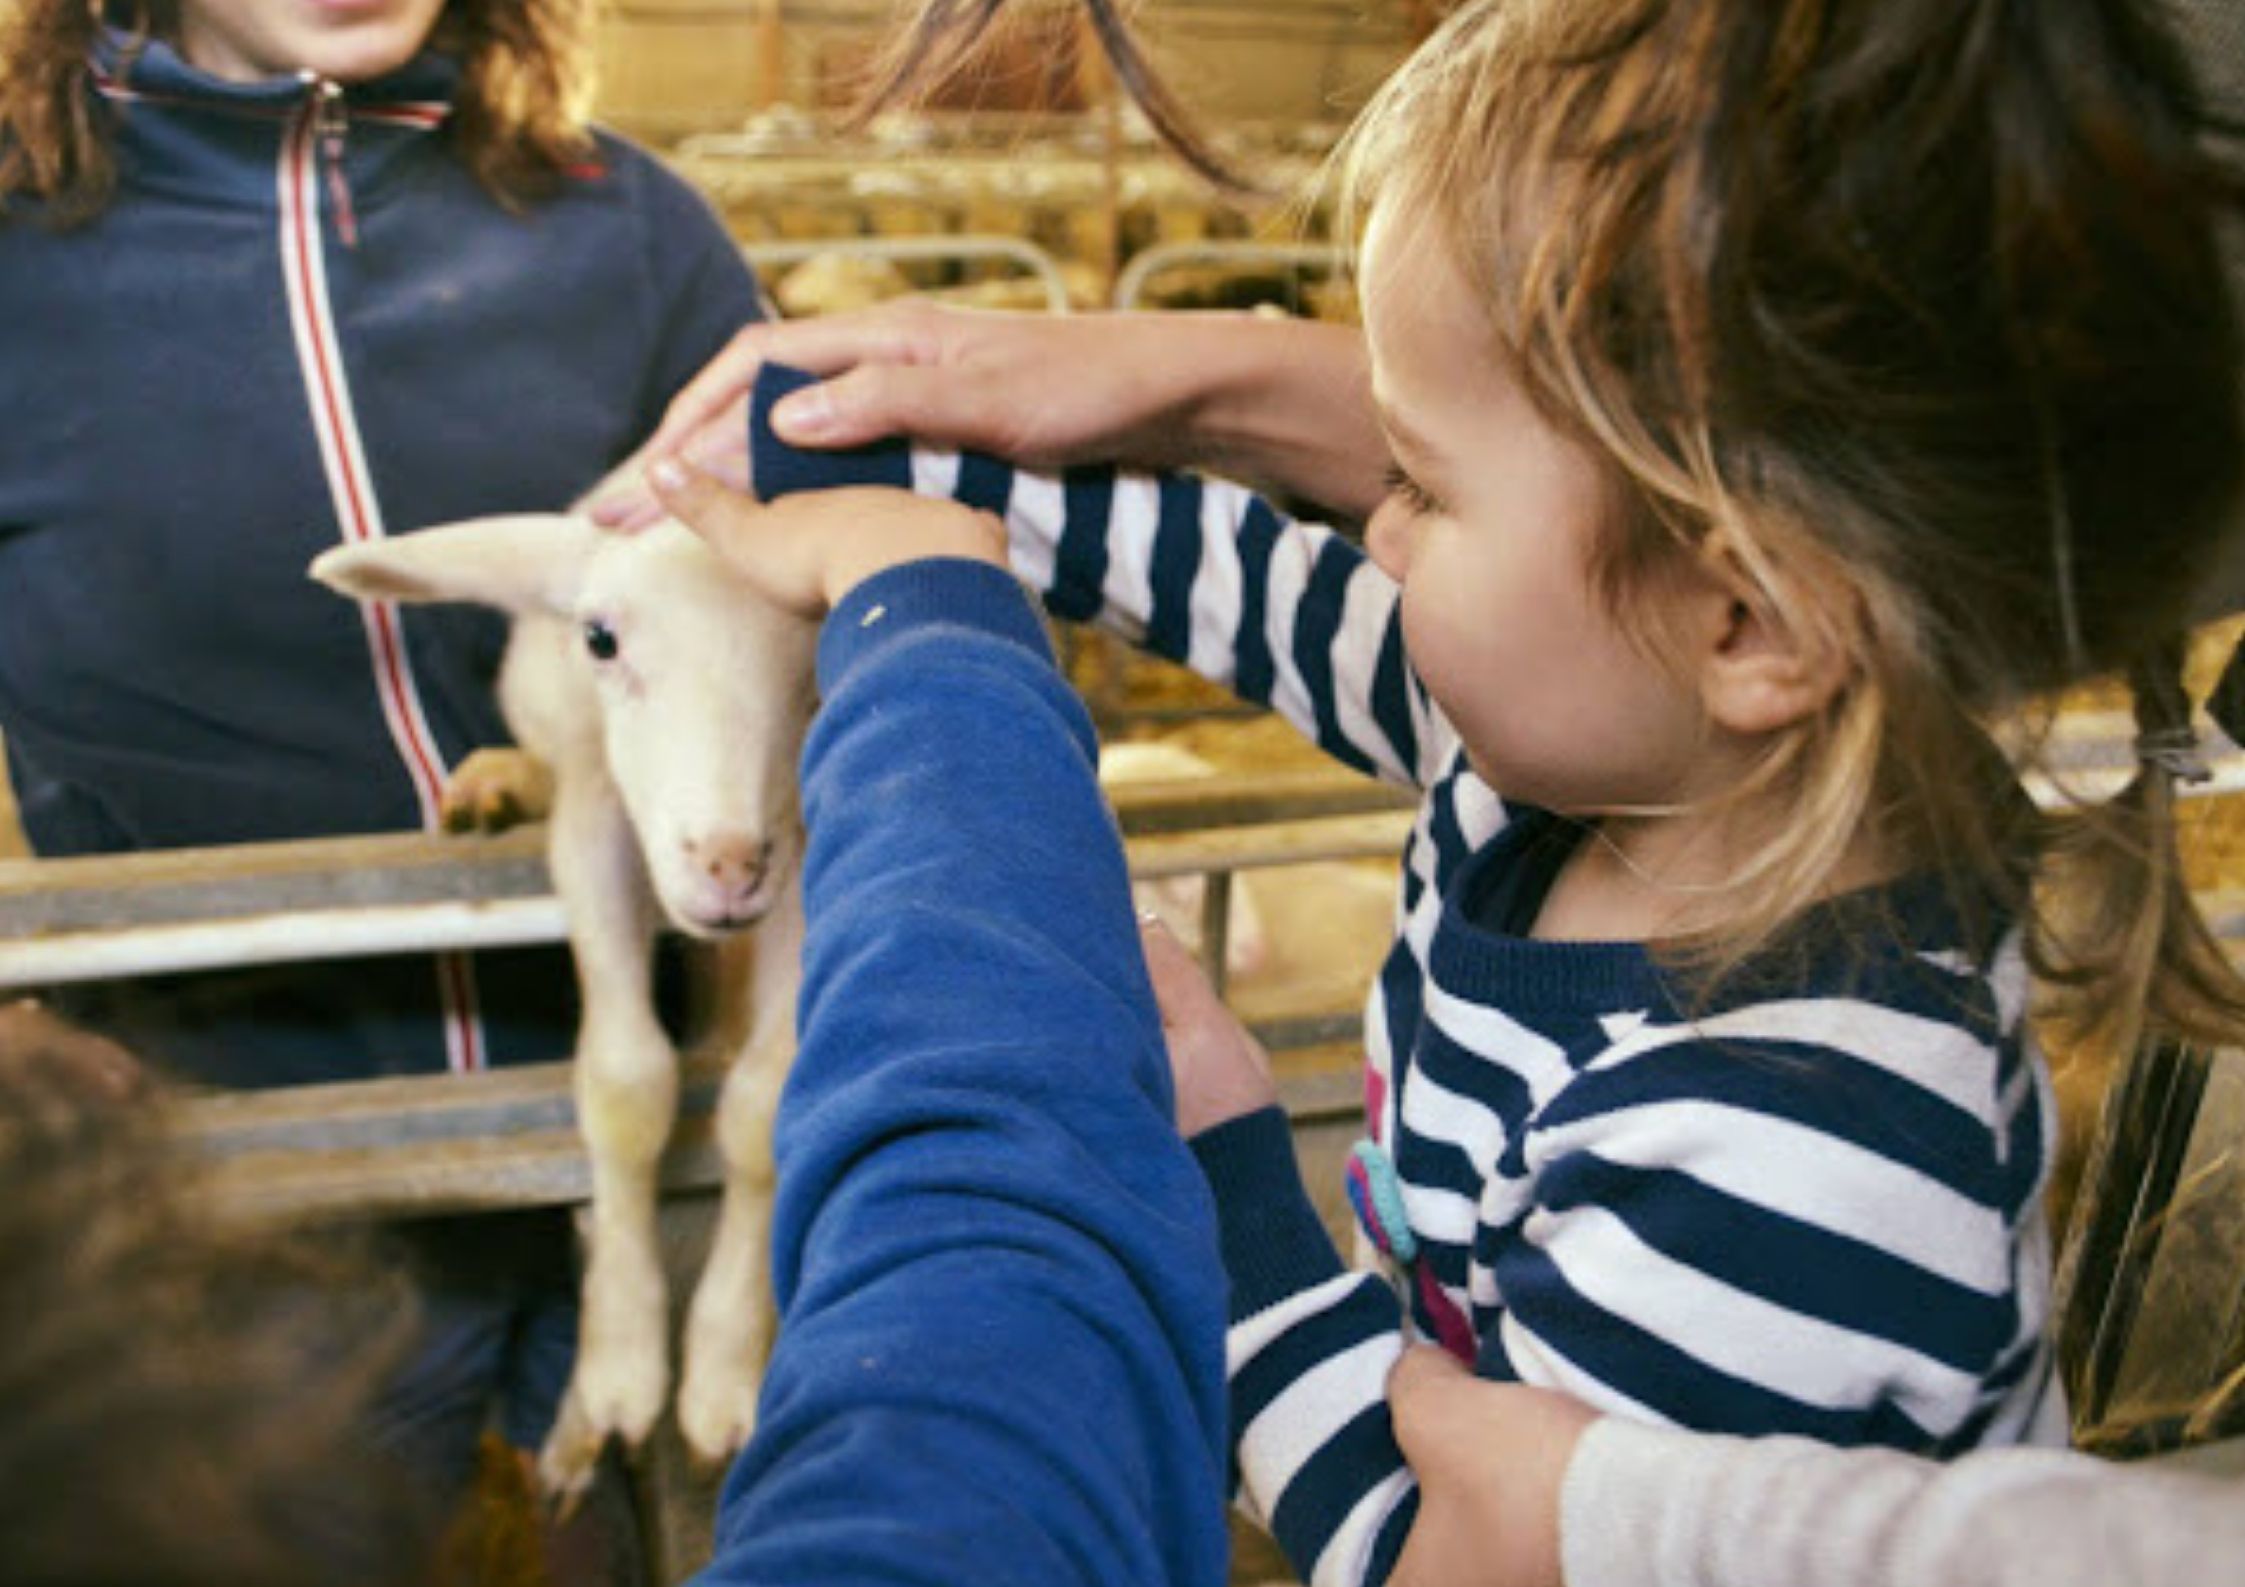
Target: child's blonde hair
<point x="1912" y="311"/>
<point x="519" y="120"/>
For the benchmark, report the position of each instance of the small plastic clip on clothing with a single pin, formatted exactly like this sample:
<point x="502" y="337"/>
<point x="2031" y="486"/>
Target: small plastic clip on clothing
<point x="330" y="125"/>
<point x="1376" y="1192"/>
<point x="1377" y="1195"/>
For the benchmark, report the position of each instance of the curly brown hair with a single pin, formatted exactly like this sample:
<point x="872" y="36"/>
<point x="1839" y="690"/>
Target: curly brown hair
<point x="180" y="1405"/>
<point x="519" y="120"/>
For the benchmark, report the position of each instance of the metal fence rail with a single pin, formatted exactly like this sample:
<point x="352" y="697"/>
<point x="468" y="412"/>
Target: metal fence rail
<point x="1130" y="286"/>
<point x="966" y="246"/>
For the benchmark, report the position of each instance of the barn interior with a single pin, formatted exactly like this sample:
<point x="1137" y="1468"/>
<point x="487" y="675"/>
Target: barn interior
<point x="1028" y="182"/>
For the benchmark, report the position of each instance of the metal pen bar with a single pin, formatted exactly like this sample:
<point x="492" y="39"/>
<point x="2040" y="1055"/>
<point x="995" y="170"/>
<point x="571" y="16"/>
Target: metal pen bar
<point x="1216" y="928"/>
<point x="2126" y="1189"/>
<point x="967" y="245"/>
<point x="1147" y="263"/>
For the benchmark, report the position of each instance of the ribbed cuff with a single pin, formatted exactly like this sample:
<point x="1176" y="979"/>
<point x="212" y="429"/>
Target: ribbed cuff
<point x="1274" y="1243"/>
<point x="906" y="599"/>
<point x="782" y="470"/>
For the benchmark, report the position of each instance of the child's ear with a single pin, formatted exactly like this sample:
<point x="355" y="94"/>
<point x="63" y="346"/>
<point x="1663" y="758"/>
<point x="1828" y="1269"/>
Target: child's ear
<point x="1766" y="662"/>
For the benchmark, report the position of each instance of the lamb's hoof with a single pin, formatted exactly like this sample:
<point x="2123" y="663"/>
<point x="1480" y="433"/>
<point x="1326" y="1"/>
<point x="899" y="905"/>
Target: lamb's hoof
<point x="717" y="1402"/>
<point x="570" y="1458"/>
<point x="614" y="1393"/>
<point x="494" y="789"/>
<point x="622" y="1389"/>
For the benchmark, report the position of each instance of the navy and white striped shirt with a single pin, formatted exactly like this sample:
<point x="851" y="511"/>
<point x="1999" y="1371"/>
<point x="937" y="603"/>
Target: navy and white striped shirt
<point x="1811" y="1207"/>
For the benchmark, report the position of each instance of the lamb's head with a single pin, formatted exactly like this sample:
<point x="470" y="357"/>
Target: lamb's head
<point x="702" y="688"/>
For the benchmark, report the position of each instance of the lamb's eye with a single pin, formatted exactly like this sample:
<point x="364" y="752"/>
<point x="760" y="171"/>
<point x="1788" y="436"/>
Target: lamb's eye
<point x="600" y="639"/>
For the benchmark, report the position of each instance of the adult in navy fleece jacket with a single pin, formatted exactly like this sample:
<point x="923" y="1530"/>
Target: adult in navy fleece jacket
<point x="208" y="385"/>
<point x="300" y="320"/>
<point x="1000" y="1356"/>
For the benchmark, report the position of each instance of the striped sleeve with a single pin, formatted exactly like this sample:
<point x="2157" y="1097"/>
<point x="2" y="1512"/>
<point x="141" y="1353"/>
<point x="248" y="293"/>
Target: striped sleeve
<point x="1199" y="571"/>
<point x="1766" y="1224"/>
<point x="1308" y="1353"/>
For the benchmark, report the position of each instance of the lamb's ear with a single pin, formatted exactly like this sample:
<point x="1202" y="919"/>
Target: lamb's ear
<point x="526" y="562"/>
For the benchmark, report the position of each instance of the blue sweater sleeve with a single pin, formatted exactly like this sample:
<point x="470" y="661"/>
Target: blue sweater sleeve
<point x="1000" y="1356"/>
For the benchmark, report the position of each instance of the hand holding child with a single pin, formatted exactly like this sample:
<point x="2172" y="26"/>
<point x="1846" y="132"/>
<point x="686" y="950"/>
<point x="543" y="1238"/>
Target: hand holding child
<point x="1284" y="402"/>
<point x="1010" y="384"/>
<point x="1490" y="1459"/>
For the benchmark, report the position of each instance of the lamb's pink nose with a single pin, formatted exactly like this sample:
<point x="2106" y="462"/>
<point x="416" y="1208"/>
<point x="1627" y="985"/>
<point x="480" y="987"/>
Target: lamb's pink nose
<point x="733" y="860"/>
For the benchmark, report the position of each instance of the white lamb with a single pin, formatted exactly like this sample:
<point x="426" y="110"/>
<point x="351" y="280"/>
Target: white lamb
<point x="669" y="703"/>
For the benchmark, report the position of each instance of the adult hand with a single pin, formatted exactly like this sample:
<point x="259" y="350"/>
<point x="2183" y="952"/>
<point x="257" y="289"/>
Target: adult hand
<point x="1219" y="1070"/>
<point x="1490" y="1459"/>
<point x="1021" y="386"/>
<point x="1285" y="404"/>
<point x="805" y="553"/>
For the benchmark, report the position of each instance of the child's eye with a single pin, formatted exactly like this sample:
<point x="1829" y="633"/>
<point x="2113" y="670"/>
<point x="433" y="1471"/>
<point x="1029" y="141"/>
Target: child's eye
<point x="1416" y="498"/>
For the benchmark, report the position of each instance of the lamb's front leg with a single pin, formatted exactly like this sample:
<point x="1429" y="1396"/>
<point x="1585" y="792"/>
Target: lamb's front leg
<point x="729" y="1329"/>
<point x="627" y="1093"/>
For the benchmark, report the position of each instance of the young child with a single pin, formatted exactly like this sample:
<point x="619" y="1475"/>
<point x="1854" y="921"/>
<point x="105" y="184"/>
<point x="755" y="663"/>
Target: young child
<point x="1778" y="393"/>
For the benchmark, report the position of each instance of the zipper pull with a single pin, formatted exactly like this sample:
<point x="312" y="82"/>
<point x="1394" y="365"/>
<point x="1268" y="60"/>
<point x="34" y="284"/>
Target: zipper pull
<point x="331" y="123"/>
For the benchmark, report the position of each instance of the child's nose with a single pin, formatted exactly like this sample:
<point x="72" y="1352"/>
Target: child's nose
<point x="1389" y="537"/>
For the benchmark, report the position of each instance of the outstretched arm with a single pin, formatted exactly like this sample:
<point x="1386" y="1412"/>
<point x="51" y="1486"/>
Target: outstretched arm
<point x="1197" y="570"/>
<point x="1001" y="1347"/>
<point x="1284" y="405"/>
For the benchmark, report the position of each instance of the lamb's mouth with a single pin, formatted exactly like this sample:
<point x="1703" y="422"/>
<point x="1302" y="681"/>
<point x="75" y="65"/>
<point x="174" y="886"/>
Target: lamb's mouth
<point x="708" y="925"/>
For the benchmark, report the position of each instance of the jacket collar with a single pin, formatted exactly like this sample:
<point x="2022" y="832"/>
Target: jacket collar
<point x="421" y="90"/>
<point x="180" y="130"/>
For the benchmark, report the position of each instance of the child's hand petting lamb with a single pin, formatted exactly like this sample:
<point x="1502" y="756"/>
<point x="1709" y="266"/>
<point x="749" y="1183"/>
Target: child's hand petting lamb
<point x="804" y="553"/>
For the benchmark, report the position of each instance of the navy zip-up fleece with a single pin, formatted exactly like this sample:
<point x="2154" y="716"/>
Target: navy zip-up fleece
<point x="301" y="321"/>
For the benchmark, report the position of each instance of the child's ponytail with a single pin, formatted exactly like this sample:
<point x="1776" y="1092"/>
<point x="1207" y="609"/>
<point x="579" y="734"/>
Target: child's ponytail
<point x="2118" y="938"/>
